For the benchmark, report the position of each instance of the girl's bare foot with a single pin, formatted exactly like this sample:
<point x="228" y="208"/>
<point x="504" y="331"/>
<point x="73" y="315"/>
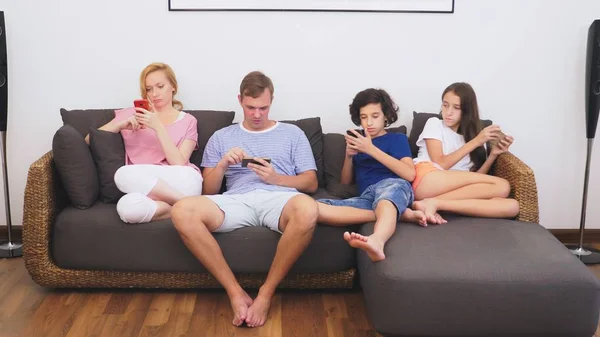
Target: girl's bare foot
<point x="429" y="208"/>
<point x="417" y="217"/>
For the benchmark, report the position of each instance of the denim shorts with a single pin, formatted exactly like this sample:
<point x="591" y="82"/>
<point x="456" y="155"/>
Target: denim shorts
<point x="396" y="190"/>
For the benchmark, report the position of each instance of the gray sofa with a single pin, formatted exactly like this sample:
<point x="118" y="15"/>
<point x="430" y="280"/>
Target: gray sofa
<point x="470" y="277"/>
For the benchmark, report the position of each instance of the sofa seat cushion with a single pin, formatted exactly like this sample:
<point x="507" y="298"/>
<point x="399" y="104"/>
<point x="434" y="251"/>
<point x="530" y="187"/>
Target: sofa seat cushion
<point x="96" y="239"/>
<point x="478" y="277"/>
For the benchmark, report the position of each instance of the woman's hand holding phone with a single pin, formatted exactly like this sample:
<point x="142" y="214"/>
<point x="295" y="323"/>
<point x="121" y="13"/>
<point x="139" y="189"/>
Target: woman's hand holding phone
<point x="145" y="115"/>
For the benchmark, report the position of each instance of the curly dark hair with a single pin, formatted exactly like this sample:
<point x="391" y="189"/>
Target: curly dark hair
<point x="374" y="96"/>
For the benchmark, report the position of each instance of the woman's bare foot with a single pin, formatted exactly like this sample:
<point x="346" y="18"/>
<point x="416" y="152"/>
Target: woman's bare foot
<point x="369" y="244"/>
<point x="258" y="311"/>
<point x="429" y="208"/>
<point x="417" y="217"/>
<point x="240" y="304"/>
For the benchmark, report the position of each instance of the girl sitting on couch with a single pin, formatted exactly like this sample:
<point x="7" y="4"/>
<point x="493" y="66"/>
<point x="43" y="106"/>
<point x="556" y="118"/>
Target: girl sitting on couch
<point x="158" y="144"/>
<point x="451" y="166"/>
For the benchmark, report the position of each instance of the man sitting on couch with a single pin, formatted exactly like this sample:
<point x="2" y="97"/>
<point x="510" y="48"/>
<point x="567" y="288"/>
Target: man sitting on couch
<point x="266" y="193"/>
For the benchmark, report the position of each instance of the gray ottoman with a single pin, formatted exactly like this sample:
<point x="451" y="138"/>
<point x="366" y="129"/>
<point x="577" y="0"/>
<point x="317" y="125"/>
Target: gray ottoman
<point x="478" y="277"/>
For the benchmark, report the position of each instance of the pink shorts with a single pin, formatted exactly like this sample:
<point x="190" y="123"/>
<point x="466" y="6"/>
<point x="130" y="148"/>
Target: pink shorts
<point x="422" y="169"/>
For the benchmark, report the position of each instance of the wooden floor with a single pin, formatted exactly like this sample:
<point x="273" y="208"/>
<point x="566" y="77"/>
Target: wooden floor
<point x="29" y="310"/>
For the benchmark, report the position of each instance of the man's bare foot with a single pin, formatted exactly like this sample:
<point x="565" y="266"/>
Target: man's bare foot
<point x="258" y="311"/>
<point x="240" y="305"/>
<point x="429" y="208"/>
<point x="417" y="217"/>
<point x="369" y="244"/>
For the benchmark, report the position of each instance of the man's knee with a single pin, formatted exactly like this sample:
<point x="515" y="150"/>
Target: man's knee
<point x="190" y="212"/>
<point x="304" y="210"/>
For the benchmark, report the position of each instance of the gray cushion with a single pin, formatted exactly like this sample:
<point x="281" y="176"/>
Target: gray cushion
<point x="108" y="151"/>
<point x="478" y="277"/>
<point x="419" y="120"/>
<point x="96" y="238"/>
<point x="314" y="133"/>
<point x="75" y="167"/>
<point x="209" y="121"/>
<point x="83" y="119"/>
<point x="334" y="151"/>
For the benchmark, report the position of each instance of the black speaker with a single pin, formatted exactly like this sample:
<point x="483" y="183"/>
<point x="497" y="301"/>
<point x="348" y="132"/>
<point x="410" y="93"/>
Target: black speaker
<point x="592" y="79"/>
<point x="3" y="75"/>
<point x="592" y="109"/>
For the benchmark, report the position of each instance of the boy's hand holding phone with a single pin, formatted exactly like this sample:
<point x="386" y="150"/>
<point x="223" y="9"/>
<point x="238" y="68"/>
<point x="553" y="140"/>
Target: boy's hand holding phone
<point x="359" y="142"/>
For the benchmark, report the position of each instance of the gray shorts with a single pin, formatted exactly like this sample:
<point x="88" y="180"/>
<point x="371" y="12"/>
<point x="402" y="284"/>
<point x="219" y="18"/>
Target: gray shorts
<point x="259" y="208"/>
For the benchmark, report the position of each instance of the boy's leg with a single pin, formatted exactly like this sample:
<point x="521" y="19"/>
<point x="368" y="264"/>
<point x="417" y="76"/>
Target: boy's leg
<point x="295" y="215"/>
<point x="392" y="197"/>
<point x="385" y="226"/>
<point x="352" y="211"/>
<point x="195" y="218"/>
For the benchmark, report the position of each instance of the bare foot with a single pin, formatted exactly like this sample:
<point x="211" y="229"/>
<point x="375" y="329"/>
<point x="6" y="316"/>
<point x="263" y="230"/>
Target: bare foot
<point x="240" y="304"/>
<point x="258" y="311"/>
<point x="417" y="217"/>
<point x="429" y="207"/>
<point x="369" y="244"/>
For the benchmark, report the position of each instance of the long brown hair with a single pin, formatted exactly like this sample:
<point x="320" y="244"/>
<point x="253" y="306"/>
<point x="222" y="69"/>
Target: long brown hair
<point x="170" y="76"/>
<point x="470" y="123"/>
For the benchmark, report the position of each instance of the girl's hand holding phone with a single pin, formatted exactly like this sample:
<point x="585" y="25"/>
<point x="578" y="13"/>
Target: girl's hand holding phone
<point x="502" y="145"/>
<point x="489" y="134"/>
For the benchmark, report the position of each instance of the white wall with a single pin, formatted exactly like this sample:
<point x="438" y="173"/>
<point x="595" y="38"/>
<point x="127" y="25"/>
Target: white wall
<point x="524" y="58"/>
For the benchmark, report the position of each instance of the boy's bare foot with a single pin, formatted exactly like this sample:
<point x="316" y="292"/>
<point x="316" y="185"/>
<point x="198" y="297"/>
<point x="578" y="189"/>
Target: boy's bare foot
<point x="414" y="216"/>
<point x="429" y="208"/>
<point x="258" y="311"/>
<point x="240" y="304"/>
<point x="369" y="244"/>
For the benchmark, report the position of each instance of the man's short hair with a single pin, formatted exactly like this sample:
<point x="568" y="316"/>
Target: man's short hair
<point x="254" y="84"/>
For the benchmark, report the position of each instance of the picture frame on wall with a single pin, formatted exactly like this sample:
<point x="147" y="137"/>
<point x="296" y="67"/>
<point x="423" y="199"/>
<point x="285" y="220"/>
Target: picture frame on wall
<point x="391" y="6"/>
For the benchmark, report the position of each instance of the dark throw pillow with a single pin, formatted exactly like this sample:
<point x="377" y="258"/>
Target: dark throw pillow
<point x="75" y="167"/>
<point x="108" y="152"/>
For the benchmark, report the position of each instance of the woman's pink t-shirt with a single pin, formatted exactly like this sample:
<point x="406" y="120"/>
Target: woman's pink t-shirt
<point x="142" y="146"/>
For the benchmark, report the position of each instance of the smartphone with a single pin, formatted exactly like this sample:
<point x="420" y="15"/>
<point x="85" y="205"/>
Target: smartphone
<point x="246" y="161"/>
<point x="141" y="103"/>
<point x="361" y="131"/>
<point x="494" y="142"/>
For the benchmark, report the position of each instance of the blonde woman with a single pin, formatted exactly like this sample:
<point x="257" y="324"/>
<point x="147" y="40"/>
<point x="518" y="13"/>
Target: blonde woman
<point x="158" y="144"/>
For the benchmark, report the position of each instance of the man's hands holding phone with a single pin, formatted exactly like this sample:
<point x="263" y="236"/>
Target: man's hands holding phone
<point x="263" y="168"/>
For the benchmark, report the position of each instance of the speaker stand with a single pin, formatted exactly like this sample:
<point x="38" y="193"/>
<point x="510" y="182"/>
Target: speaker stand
<point x="586" y="255"/>
<point x="9" y="249"/>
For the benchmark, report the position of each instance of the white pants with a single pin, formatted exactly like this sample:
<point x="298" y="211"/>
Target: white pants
<point x="136" y="181"/>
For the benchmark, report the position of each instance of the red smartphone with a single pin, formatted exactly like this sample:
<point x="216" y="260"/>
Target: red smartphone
<point x="141" y="103"/>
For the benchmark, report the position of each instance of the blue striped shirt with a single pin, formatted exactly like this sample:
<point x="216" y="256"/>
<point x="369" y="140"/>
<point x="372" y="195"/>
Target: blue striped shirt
<point x="284" y="143"/>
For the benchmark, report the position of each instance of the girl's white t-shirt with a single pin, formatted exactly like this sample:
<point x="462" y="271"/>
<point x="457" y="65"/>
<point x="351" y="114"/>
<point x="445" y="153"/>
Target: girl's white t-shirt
<point x="451" y="141"/>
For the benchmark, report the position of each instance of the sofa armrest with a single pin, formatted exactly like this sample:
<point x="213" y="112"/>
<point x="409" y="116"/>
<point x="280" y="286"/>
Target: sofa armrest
<point x="43" y="199"/>
<point x="523" y="187"/>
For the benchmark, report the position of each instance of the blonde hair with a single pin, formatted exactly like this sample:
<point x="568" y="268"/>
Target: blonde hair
<point x="170" y="76"/>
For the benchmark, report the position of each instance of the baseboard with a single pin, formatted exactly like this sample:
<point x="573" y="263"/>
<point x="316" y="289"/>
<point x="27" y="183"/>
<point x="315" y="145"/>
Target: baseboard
<point x="17" y="233"/>
<point x="572" y="235"/>
<point x="563" y="235"/>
